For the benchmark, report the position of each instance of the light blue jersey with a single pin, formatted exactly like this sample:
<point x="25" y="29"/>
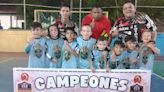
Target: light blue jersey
<point x="130" y="56"/>
<point x="36" y="50"/>
<point x="119" y="60"/>
<point x="146" y="59"/>
<point x="98" y="61"/>
<point x="68" y="59"/>
<point x="54" y="47"/>
<point x="85" y="47"/>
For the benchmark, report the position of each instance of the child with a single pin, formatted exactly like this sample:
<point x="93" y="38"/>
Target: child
<point x="85" y="43"/>
<point x="99" y="55"/>
<point x="54" y="46"/>
<point x="131" y="53"/>
<point x="69" y="55"/>
<point x="147" y="51"/>
<point x="116" y="56"/>
<point x="36" y="47"/>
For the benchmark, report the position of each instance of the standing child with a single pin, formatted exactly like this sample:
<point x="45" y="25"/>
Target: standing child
<point x="54" y="46"/>
<point x="99" y="54"/>
<point x="147" y="51"/>
<point x="69" y="55"/>
<point x="36" y="47"/>
<point x="85" y="43"/>
<point x="131" y="53"/>
<point x="116" y="56"/>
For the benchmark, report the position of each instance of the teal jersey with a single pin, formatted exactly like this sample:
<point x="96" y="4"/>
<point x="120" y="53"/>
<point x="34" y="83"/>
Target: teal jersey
<point x="146" y="59"/>
<point x="68" y="59"/>
<point x="98" y="61"/>
<point x="130" y="56"/>
<point x="85" y="47"/>
<point x="36" y="50"/>
<point x="119" y="60"/>
<point x="54" y="48"/>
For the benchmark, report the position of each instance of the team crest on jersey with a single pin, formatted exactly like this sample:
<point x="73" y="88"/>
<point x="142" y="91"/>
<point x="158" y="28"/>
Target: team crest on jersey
<point x="24" y="86"/>
<point x="145" y="59"/>
<point x="145" y="55"/>
<point x="126" y="63"/>
<point x="84" y="52"/>
<point x="113" y="65"/>
<point x="38" y="50"/>
<point x="101" y="62"/>
<point x="57" y="51"/>
<point x="67" y="55"/>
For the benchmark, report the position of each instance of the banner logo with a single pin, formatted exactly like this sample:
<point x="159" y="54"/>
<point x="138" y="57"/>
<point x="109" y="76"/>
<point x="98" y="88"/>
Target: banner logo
<point x="137" y="87"/>
<point x="24" y="86"/>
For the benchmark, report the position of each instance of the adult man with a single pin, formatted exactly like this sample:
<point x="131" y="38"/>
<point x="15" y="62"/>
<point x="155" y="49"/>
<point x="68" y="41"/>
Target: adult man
<point x="64" y="21"/>
<point x="132" y="23"/>
<point x="97" y="21"/>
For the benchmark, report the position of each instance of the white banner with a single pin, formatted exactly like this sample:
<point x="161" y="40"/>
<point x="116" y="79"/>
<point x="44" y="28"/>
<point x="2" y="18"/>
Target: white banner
<point x="79" y="80"/>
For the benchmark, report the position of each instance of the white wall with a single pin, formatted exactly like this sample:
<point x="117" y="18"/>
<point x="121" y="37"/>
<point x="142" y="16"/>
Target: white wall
<point x="5" y="21"/>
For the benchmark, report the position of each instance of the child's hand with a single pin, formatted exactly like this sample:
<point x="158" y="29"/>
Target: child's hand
<point x="135" y="61"/>
<point x="94" y="46"/>
<point x="115" y="33"/>
<point x="93" y="69"/>
<point x="143" y="45"/>
<point x="68" y="48"/>
<point x="150" y="45"/>
<point x="107" y="69"/>
<point x="113" y="57"/>
<point x="31" y="39"/>
<point x="104" y="53"/>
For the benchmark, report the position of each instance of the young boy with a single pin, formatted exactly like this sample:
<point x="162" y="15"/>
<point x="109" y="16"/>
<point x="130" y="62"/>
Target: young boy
<point x="36" y="47"/>
<point x="99" y="58"/>
<point x="69" y="55"/>
<point x="131" y="53"/>
<point x="147" y="51"/>
<point x="116" y="56"/>
<point x="85" y="45"/>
